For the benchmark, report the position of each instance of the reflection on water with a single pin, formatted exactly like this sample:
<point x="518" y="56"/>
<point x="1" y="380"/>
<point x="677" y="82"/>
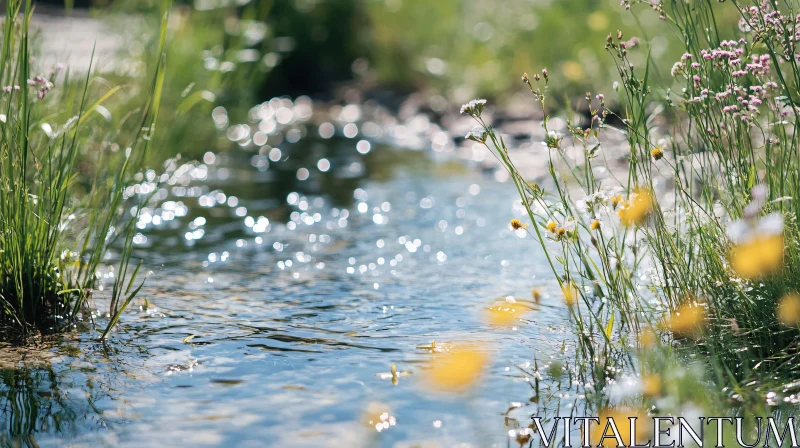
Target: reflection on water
<point x="31" y="403"/>
<point x="291" y="277"/>
<point x="47" y="393"/>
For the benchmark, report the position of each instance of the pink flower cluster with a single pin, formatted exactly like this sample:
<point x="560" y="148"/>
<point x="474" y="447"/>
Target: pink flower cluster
<point x="737" y="98"/>
<point x="42" y="84"/>
<point x="780" y="31"/>
<point x="728" y="49"/>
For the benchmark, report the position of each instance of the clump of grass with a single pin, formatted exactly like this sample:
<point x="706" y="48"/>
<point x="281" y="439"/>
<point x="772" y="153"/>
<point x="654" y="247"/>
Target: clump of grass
<point x="696" y="241"/>
<point x="64" y="167"/>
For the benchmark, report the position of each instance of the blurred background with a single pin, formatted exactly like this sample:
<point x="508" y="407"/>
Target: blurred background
<point x="235" y="53"/>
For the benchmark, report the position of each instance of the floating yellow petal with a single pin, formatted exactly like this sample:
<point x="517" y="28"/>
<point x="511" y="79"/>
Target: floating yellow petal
<point x="758" y="257"/>
<point x="456" y="370"/>
<point x="503" y="314"/>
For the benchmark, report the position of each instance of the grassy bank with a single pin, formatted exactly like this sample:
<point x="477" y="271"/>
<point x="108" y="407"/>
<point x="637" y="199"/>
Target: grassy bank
<point x="689" y="254"/>
<point x="67" y="156"/>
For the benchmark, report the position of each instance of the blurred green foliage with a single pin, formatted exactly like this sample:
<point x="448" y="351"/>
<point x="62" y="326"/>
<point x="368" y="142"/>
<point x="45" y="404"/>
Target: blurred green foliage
<point x="464" y="49"/>
<point x="236" y="53"/>
<point x="457" y="48"/>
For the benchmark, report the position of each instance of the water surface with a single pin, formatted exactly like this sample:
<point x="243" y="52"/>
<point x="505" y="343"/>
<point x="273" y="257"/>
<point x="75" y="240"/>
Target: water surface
<point x="286" y="278"/>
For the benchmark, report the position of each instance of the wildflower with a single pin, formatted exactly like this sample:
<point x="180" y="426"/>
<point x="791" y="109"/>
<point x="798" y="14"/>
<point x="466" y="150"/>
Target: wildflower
<point x="615" y="201"/>
<point x="553" y="140"/>
<point x="478" y="135"/>
<point x="591" y="203"/>
<point x="474" y="108"/>
<point x="687" y="320"/>
<point x="647" y="338"/>
<point x="759" y="252"/>
<point x="651" y="385"/>
<point x="516" y="224"/>
<point x="637" y="209"/>
<point x="570" y="225"/>
<point x="657" y="153"/>
<point x="456" y="370"/>
<point x="551" y="226"/>
<point x="561" y="231"/>
<point x="759" y="195"/>
<point x="789" y="310"/>
<point x="569" y="294"/>
<point x="594" y="225"/>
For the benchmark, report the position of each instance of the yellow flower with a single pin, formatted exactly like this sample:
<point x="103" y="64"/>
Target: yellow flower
<point x="758" y="257"/>
<point x="651" y="385"/>
<point x="789" y="309"/>
<point x="687" y="320"/>
<point x="621" y="420"/>
<point x="594" y="225"/>
<point x="637" y="209"/>
<point x="570" y="295"/>
<point x="516" y="224"/>
<point x="561" y="231"/>
<point x="551" y="226"/>
<point x="456" y="370"/>
<point x="615" y="201"/>
<point x="657" y="153"/>
<point x="648" y="338"/>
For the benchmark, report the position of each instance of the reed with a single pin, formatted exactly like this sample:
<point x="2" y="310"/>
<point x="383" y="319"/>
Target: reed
<point x="64" y="163"/>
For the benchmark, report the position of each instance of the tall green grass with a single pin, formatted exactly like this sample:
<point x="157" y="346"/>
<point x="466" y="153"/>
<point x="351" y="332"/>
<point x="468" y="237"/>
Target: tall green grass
<point x="692" y="251"/>
<point x="64" y="164"/>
